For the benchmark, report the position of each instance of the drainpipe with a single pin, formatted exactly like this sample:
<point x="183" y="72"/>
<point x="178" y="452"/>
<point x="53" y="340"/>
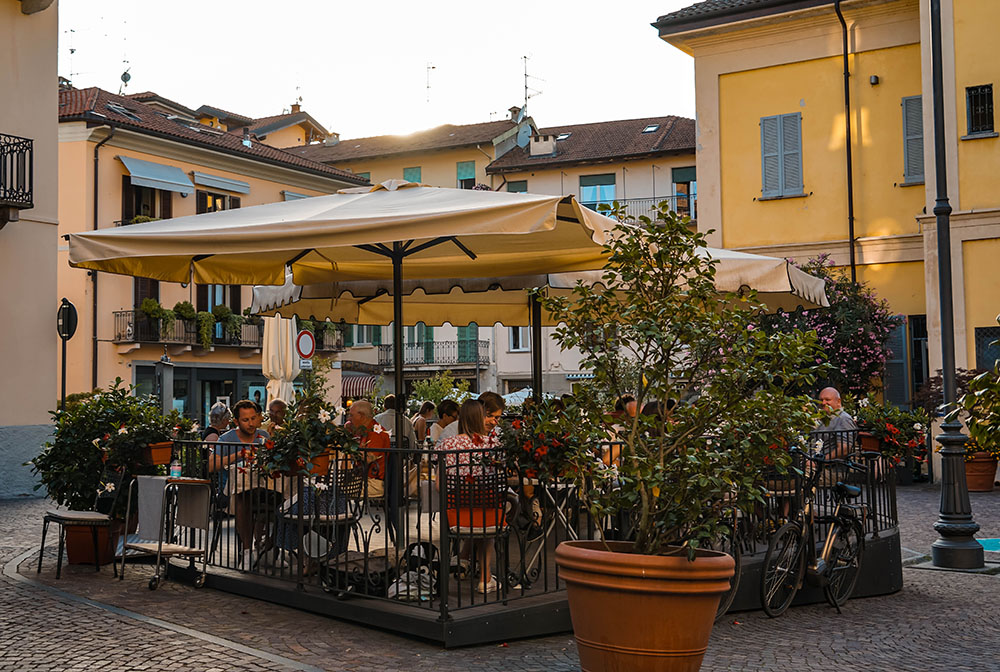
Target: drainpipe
<point x="850" y="161"/>
<point x="93" y="274"/>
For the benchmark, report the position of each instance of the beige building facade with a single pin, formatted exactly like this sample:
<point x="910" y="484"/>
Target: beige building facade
<point x="28" y="235"/>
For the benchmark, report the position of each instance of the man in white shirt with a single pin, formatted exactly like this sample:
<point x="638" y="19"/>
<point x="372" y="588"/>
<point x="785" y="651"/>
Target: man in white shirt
<point x="387" y="419"/>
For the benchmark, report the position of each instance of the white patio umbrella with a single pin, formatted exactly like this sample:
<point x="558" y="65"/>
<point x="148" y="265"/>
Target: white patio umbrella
<point x="279" y="361"/>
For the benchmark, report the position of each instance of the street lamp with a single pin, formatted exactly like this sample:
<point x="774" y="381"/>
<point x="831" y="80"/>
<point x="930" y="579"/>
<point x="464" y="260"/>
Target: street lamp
<point x="956" y="548"/>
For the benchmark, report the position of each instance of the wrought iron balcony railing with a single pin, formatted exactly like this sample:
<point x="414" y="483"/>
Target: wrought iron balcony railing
<point x="17" y="176"/>
<point x="132" y="326"/>
<point x="682" y="204"/>
<point x="331" y="341"/>
<point x="439" y="352"/>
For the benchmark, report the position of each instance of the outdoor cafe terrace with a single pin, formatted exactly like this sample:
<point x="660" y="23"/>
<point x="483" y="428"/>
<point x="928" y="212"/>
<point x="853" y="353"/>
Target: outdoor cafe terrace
<point x="392" y="560"/>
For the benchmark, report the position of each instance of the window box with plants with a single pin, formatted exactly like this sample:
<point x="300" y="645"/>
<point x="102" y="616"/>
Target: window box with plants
<point x="102" y="439"/>
<point x="659" y="330"/>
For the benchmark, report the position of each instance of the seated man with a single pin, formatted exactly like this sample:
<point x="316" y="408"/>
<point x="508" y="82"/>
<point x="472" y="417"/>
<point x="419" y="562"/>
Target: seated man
<point x="835" y="446"/>
<point x="387" y="420"/>
<point x="373" y="436"/>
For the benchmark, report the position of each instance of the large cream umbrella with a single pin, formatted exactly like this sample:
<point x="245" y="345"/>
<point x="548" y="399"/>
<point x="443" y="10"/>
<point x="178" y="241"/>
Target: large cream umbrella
<point x="279" y="361"/>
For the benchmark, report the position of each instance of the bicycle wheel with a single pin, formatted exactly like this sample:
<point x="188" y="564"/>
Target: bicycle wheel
<point x="845" y="563"/>
<point x="782" y="569"/>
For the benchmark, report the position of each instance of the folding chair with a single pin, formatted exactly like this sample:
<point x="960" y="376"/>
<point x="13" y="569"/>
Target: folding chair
<point x="93" y="519"/>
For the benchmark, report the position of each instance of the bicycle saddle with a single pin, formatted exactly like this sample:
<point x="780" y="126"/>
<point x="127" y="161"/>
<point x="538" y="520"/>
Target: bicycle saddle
<point x="849" y="491"/>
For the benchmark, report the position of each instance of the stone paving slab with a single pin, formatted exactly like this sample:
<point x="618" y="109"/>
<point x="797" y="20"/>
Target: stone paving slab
<point x="939" y="621"/>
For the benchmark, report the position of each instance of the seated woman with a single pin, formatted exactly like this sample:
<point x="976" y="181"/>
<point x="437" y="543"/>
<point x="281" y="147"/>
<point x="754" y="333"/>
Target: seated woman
<point x="421" y="421"/>
<point x="475" y="502"/>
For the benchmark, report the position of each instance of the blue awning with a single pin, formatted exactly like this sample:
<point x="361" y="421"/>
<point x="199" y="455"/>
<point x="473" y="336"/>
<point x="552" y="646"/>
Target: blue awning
<point x="157" y="175"/>
<point x="224" y="183"/>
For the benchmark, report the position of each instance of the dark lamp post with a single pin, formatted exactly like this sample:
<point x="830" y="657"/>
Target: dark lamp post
<point x="956" y="548"/>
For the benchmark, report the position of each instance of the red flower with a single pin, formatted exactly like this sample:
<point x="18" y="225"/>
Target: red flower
<point x="300" y="462"/>
<point x="530" y="473"/>
<point x="891" y="428"/>
<point x="516" y="424"/>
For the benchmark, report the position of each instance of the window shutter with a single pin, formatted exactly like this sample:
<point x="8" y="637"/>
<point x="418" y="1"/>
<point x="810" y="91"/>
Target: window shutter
<point x="791" y="154"/>
<point x="201" y="203"/>
<point x="236" y="299"/>
<point x="913" y="139"/>
<point x="466" y="170"/>
<point x="411" y="174"/>
<point x="144" y="288"/>
<point x="428" y="344"/>
<point x="166" y="204"/>
<point x="770" y="168"/>
<point x="896" y="385"/>
<point x="128" y="200"/>
<point x="234" y="202"/>
<point x="201" y="298"/>
<point x="376" y="335"/>
<point x="348" y="335"/>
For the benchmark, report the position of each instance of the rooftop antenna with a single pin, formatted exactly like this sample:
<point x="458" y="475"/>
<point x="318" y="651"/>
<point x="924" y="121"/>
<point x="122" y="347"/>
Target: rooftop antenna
<point x="429" y="68"/>
<point x="72" y="50"/>
<point x="125" y="76"/>
<point x="528" y="91"/>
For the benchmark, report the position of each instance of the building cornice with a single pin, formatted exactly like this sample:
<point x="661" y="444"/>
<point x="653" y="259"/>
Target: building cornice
<point x="870" y="250"/>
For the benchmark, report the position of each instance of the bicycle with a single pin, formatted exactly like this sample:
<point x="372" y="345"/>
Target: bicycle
<point x="791" y="557"/>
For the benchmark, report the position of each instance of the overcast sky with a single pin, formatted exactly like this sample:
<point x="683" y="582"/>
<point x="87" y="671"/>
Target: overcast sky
<point x="361" y="67"/>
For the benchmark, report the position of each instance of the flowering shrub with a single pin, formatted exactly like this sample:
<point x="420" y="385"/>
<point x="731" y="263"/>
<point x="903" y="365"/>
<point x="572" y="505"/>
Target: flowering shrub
<point x="310" y="431"/>
<point x="107" y="431"/>
<point x="900" y="432"/>
<point x="980" y="407"/>
<point x="537" y="445"/>
<point x="854" y="331"/>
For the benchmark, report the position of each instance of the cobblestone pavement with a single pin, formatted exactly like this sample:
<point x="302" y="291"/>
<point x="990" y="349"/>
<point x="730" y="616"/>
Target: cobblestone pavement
<point x="178" y="627"/>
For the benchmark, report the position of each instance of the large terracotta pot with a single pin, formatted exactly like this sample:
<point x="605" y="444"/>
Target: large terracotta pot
<point x="641" y="612"/>
<point x="159" y="453"/>
<point x="869" y="442"/>
<point x="980" y="471"/>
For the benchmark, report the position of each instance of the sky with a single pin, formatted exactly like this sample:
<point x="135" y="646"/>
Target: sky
<point x="361" y="68"/>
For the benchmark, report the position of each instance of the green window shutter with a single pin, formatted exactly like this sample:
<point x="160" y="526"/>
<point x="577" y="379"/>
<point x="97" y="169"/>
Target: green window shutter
<point x="913" y="139"/>
<point x="896" y="383"/>
<point x="466" y="170"/>
<point x="680" y="175"/>
<point x="517" y="186"/>
<point x="376" y="335"/>
<point x="411" y="174"/>
<point x="770" y="162"/>
<point x="428" y="345"/>
<point x="791" y="154"/>
<point x="365" y="176"/>
<point x="348" y="335"/>
<point x="597" y="180"/>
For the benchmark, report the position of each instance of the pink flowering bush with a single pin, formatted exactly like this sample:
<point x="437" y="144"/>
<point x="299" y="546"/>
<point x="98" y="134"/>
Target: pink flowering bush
<point x="854" y="331"/>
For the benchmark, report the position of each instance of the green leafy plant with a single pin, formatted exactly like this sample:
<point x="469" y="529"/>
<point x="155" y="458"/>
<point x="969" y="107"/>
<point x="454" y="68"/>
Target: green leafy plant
<point x="184" y="310"/>
<point x="206" y="328"/>
<point x="152" y="309"/>
<point x="900" y="432"/>
<point x="439" y="387"/>
<point x="677" y="472"/>
<point x="980" y="407"/>
<point x="108" y="431"/>
<point x="250" y="318"/>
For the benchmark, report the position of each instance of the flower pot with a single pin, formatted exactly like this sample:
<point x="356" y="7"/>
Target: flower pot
<point x="869" y="442"/>
<point x="159" y="453"/>
<point x="641" y="612"/>
<point x="979" y="472"/>
<point x="80" y="545"/>
<point x="320" y="465"/>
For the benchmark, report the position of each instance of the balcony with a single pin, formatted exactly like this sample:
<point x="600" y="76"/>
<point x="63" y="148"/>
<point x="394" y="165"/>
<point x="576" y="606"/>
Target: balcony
<point x="331" y="341"/>
<point x="435" y="353"/>
<point x="16" y="177"/>
<point x="682" y="204"/>
<point x="133" y="327"/>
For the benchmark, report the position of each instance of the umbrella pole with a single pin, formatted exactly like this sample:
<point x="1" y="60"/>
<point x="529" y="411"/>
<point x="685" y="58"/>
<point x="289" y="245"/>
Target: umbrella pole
<point x="536" y="348"/>
<point x="395" y="481"/>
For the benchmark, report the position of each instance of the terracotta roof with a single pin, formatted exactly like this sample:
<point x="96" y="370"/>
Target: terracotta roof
<point x="265" y="125"/>
<point x="153" y="97"/>
<point x="716" y="12"/>
<point x="440" y="137"/>
<point x="93" y="105"/>
<point x="209" y="111"/>
<point x="605" y="141"/>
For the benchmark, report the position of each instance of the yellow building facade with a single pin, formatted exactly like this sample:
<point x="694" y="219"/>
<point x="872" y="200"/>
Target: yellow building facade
<point x="120" y="161"/>
<point x="28" y="234"/>
<point x="772" y="155"/>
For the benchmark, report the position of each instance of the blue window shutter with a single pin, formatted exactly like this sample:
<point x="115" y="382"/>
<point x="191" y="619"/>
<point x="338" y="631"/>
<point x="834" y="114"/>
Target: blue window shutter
<point x="376" y="335"/>
<point x="770" y="159"/>
<point x="411" y="174"/>
<point x="913" y="139"/>
<point x="466" y="170"/>
<point x="349" y="336"/>
<point x="791" y="154"/>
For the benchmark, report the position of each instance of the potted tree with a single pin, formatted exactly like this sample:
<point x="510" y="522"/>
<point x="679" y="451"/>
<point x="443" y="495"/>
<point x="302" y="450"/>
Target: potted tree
<point x="106" y="433"/>
<point x="717" y="408"/>
<point x="981" y="408"/>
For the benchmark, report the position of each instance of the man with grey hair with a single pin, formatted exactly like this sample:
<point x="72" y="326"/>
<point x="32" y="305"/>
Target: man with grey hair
<point x="276" y="411"/>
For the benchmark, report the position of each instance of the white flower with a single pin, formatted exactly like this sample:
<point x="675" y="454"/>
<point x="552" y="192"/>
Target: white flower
<point x="123" y="430"/>
<point x="917" y="426"/>
<point x="109" y="487"/>
<point x="863" y="403"/>
<point x="97" y="443"/>
<point x="340" y="410"/>
<point x="324" y="415"/>
<point x="819" y="445"/>
<point x="378" y="429"/>
<point x="320" y="485"/>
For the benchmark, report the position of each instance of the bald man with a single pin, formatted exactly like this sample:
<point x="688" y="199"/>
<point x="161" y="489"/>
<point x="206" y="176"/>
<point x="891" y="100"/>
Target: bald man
<point x="838" y="420"/>
<point x="362" y="424"/>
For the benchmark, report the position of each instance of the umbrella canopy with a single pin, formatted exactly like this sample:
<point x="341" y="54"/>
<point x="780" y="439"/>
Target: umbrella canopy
<point x="504" y="299"/>
<point x="279" y="361"/>
<point x="349" y="235"/>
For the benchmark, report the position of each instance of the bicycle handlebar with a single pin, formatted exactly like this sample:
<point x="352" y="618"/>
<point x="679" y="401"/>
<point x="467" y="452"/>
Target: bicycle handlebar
<point x="815" y="459"/>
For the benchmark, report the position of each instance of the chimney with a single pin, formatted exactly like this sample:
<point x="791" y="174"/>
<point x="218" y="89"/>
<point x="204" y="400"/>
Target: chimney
<point x="246" y="136"/>
<point x="543" y="145"/>
<point x="296" y="108"/>
<point x="332" y="139"/>
<point x="514" y="111"/>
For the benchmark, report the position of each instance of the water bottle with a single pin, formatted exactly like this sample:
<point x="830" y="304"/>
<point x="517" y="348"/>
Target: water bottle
<point x="175" y="469"/>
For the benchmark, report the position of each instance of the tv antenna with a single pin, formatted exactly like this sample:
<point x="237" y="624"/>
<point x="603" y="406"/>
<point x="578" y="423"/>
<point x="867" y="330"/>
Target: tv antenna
<point x="429" y="68"/>
<point x="528" y="91"/>
<point x="126" y="77"/>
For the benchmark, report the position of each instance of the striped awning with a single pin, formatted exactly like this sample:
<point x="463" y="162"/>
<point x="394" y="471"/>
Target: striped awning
<point x="357" y="386"/>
